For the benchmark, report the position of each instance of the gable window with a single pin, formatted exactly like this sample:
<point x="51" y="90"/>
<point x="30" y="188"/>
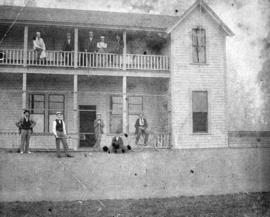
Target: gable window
<point x="200" y="111"/>
<point x="198" y="45"/>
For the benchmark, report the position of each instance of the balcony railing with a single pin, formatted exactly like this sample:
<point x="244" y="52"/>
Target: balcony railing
<point x="11" y="57"/>
<point x="85" y="60"/>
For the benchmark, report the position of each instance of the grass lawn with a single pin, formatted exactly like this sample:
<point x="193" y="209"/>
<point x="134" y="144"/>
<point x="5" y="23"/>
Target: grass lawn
<point x="242" y="205"/>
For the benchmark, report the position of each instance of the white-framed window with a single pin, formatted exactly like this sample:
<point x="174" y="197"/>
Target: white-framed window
<point x="135" y="107"/>
<point x="116" y="114"/>
<point x="37" y="110"/>
<point x="43" y="107"/>
<point x="200" y="111"/>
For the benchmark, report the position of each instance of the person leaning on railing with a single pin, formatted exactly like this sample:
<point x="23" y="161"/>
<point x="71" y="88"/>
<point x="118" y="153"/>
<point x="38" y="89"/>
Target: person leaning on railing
<point x="68" y="46"/>
<point x="39" y="47"/>
<point x="102" y="48"/>
<point x="90" y="46"/>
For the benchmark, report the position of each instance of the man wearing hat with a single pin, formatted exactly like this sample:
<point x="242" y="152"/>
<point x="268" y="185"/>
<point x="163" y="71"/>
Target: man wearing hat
<point x="59" y="131"/>
<point x="98" y="126"/>
<point x="141" y="129"/>
<point x="25" y="125"/>
<point x="90" y="46"/>
<point x="68" y="46"/>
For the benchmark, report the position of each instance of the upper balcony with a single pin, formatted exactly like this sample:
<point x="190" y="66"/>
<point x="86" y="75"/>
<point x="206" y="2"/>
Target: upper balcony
<point x="86" y="60"/>
<point x="144" y="47"/>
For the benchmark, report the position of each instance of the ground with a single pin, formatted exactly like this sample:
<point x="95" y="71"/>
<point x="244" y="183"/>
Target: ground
<point x="242" y="205"/>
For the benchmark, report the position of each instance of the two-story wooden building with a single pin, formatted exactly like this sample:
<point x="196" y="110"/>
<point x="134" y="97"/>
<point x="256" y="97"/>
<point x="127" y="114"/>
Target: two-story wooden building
<point x="171" y="68"/>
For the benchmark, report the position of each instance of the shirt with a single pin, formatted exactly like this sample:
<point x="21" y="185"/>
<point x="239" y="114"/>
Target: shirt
<point x="54" y="128"/>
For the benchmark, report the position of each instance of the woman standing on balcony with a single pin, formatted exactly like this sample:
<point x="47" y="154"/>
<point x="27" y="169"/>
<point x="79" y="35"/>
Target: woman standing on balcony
<point x="102" y="48"/>
<point x="39" y="47"/>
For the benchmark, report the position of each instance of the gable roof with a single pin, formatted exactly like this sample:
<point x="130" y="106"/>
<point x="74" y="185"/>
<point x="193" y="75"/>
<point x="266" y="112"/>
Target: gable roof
<point x="86" y="18"/>
<point x="202" y="4"/>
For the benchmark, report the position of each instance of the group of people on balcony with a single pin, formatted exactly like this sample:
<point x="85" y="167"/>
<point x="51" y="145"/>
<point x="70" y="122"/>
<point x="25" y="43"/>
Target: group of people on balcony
<point x="90" y="45"/>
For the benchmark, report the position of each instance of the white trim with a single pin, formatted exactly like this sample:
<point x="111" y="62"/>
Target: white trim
<point x="210" y="12"/>
<point x="209" y="111"/>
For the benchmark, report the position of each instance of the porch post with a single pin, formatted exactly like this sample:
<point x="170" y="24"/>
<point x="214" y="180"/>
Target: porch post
<point x="25" y="45"/>
<point x="76" y="48"/>
<point x="125" y="50"/>
<point x="125" y="123"/>
<point x="75" y="107"/>
<point x="24" y="81"/>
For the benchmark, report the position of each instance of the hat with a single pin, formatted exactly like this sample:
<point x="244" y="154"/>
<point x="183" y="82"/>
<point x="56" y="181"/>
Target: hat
<point x="26" y="111"/>
<point x="58" y="113"/>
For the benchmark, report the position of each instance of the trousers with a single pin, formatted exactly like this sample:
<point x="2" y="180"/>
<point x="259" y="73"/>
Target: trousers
<point x="61" y="138"/>
<point x="25" y="139"/>
<point x="142" y="132"/>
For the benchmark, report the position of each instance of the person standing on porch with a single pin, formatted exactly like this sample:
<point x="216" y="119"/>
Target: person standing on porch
<point x="102" y="45"/>
<point x="90" y="47"/>
<point x="59" y="131"/>
<point x="68" y="46"/>
<point x="39" y="47"/>
<point x="98" y="126"/>
<point x="25" y="125"/>
<point x="102" y="49"/>
<point x="141" y="129"/>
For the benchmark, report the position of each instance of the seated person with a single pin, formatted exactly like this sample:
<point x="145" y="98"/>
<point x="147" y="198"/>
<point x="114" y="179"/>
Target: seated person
<point x="117" y="145"/>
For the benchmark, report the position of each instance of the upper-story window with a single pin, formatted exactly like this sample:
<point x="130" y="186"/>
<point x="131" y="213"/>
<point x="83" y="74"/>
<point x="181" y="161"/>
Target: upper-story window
<point x="198" y="45"/>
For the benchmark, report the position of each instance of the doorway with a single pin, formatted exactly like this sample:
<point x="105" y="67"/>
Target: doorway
<point x="87" y="131"/>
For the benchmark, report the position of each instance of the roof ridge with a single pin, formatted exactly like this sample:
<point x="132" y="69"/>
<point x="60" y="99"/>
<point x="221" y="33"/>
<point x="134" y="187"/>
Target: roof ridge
<point x="101" y="11"/>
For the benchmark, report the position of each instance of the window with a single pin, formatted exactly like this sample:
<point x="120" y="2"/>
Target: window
<point x="43" y="108"/>
<point x="135" y="106"/>
<point x="37" y="109"/>
<point x="116" y="121"/>
<point x="200" y="111"/>
<point x="198" y="45"/>
<point x="56" y="103"/>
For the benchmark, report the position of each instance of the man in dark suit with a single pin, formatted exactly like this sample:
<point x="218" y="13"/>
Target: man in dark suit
<point x="141" y="129"/>
<point x="117" y="145"/>
<point x="25" y="125"/>
<point x="90" y="46"/>
<point x="68" y="46"/>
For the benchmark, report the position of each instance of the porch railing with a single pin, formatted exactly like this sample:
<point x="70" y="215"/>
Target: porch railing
<point x="100" y="60"/>
<point x="53" y="58"/>
<point x="85" y="60"/>
<point x="11" y="57"/>
<point x="147" y="62"/>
